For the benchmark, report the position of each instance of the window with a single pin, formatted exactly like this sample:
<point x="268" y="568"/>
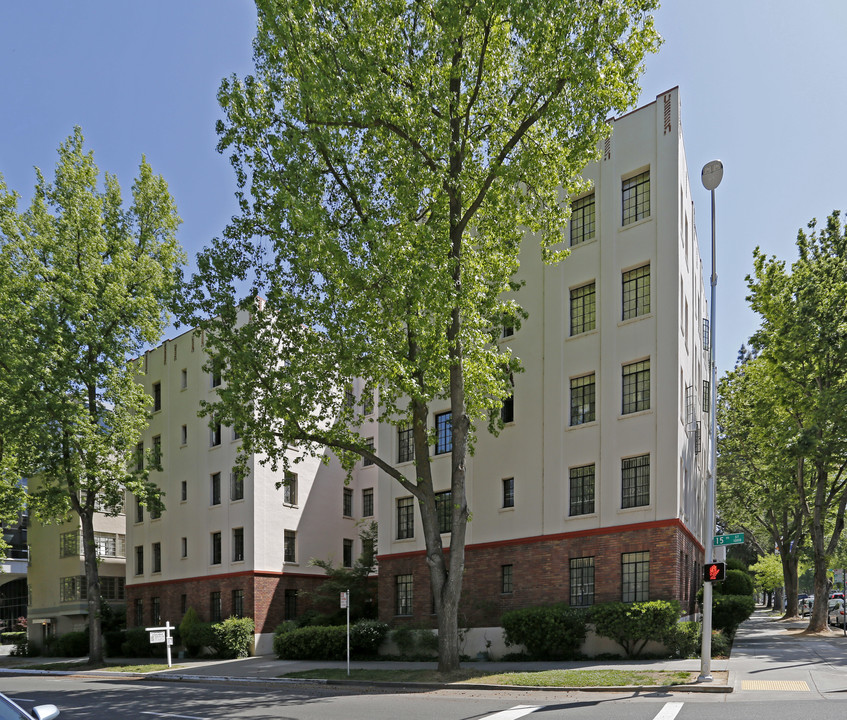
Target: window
<point x="289" y="491"/>
<point x="72" y="588"/>
<point x="183" y="435"/>
<point x="636" y="387"/>
<point x="183" y="488"/>
<point x="349" y="398"/>
<point x="238" y="603"/>
<point x="583" y="309"/>
<point x="405" y="443"/>
<point x="139" y="511"/>
<point x="110" y="544"/>
<point x="183" y="604"/>
<point x="236" y="485"/>
<point x="635" y="574"/>
<point x="367" y="401"/>
<point x="506" y="585"/>
<point x="508" y="331"/>
<point x="443" y="433"/>
<point x="635" y="481"/>
<point x="156" y="510"/>
<point x="215" y="610"/>
<point x="369" y="442"/>
<point x="582" y="581"/>
<point x="367" y="502"/>
<point x="507" y="412"/>
<point x="583" y="400"/>
<point x="69" y="544"/>
<point x="157" y="558"/>
<point x="290" y="604"/>
<point x="157" y="397"/>
<point x="113" y="588"/>
<point x="403" y="595"/>
<point x="157" y="449"/>
<point x="707" y="396"/>
<point x="215" y="435"/>
<point x="215" y="375"/>
<point x="582" y="490"/>
<point x="184" y="547"/>
<point x="582" y="219"/>
<point x="155" y="611"/>
<point x="215" y="488"/>
<point x="635" y="203"/>
<point x="139" y="560"/>
<point x="139" y="457"/>
<point x="444" y="510"/>
<point x="347" y="503"/>
<point x="635" y="292"/>
<point x="405" y="518"/>
<point x="289" y="548"/>
<point x="236" y="433"/>
<point x="508" y="492"/>
<point x="215" y="558"/>
<point x="183" y="379"/>
<point x="237" y="544"/>
<point x="347" y="553"/>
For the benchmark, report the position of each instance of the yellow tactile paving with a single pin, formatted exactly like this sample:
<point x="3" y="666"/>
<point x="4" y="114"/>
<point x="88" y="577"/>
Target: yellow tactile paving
<point x="790" y="685"/>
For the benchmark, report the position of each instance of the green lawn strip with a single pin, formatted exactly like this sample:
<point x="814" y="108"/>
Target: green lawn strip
<point x="546" y="678"/>
<point x="95" y="666"/>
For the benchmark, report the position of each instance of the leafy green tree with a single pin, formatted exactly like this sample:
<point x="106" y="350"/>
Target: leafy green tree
<point x="91" y="279"/>
<point x="392" y="156"/>
<point x="803" y="341"/>
<point x="757" y="467"/>
<point x="768" y="572"/>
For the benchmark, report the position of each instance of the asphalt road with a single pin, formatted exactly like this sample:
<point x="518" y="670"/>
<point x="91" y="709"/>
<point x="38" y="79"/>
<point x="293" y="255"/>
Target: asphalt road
<point x="82" y="698"/>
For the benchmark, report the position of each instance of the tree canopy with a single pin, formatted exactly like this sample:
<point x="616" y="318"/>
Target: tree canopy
<point x="392" y="157"/>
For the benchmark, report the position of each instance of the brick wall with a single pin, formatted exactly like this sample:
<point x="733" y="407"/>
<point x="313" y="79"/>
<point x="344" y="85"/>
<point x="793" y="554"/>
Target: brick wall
<point x="540" y="572"/>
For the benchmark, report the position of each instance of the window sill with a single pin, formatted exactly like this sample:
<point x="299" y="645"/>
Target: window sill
<point x="582" y="516"/>
<point x="637" y="413"/>
<point x="507" y="509"/>
<point x="586" y="333"/>
<point x="591" y="423"/>
<point x="590" y="241"/>
<point x="630" y="321"/>
<point x="290" y="563"/>
<point x="404" y="540"/>
<point x="643" y="221"/>
<point x="637" y="508"/>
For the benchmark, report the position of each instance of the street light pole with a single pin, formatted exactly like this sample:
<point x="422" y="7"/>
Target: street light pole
<point x="711" y="176"/>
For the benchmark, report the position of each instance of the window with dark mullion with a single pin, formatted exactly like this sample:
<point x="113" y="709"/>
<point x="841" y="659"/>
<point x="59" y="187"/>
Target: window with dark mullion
<point x="583" y="396"/>
<point x="406" y="443"/>
<point x="636" y="387"/>
<point x="635" y="576"/>
<point x="444" y="510"/>
<point x="443" y="433"/>
<point x="635" y="198"/>
<point x="508" y="492"/>
<point x="405" y="518"/>
<point x="582" y="219"/>
<point x="582" y="581"/>
<point x="582" y="490"/>
<point x="635" y="481"/>
<point x="583" y="309"/>
<point x="635" y="288"/>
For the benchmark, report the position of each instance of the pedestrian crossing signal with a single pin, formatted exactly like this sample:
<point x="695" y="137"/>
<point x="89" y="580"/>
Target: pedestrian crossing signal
<point x="714" y="572"/>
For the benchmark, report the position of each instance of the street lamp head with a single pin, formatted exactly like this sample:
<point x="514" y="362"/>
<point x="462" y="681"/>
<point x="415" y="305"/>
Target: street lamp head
<point x="712" y="174"/>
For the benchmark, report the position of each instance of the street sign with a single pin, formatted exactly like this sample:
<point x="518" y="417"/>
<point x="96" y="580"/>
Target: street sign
<point x="157" y="637"/>
<point x="733" y="539"/>
<point x="343" y="600"/>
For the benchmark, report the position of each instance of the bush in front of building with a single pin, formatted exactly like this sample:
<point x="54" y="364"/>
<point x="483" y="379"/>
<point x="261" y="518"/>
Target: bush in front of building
<point x="729" y="611"/>
<point x="19" y="640"/>
<point x="633" y="625"/>
<point x="366" y="636"/>
<point x="195" y="633"/>
<point x="71" y="644"/>
<point x="314" y="642"/>
<point x="233" y="638"/>
<point x="737" y="582"/>
<point x="550" y="632"/>
<point x="684" y="639"/>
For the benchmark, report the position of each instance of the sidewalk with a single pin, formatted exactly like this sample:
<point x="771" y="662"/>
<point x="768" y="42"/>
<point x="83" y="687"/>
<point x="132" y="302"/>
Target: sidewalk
<point x="768" y="655"/>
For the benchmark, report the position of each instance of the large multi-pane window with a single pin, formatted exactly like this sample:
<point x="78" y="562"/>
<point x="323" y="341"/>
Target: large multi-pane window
<point x="582" y="219"/>
<point x="69" y="544"/>
<point x="444" y="510"/>
<point x="582" y="581"/>
<point x="403" y="595"/>
<point x="157" y="558"/>
<point x="139" y="511"/>
<point x="636" y="387"/>
<point x="635" y="575"/>
<point x="215" y="483"/>
<point x="443" y="433"/>
<point x="405" y="443"/>
<point x="508" y="492"/>
<point x="405" y="518"/>
<point x="215" y="557"/>
<point x="238" y="603"/>
<point x="507" y="579"/>
<point x="139" y="456"/>
<point x="368" y="502"/>
<point x="635" y="286"/>
<point x="289" y="547"/>
<point x="582" y="490"/>
<point x="112" y="587"/>
<point x="583" y="397"/>
<point x="583" y="309"/>
<point x="289" y="491"/>
<point x="110" y="544"/>
<point x="238" y="544"/>
<point x="72" y="588"/>
<point x="635" y="481"/>
<point x="635" y="200"/>
<point x="139" y="611"/>
<point x="215" y="609"/>
<point x="347" y="502"/>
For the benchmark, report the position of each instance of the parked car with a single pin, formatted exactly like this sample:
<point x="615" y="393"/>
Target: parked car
<point x="806" y="605"/>
<point x="836" y="612"/>
<point x="12" y="711"/>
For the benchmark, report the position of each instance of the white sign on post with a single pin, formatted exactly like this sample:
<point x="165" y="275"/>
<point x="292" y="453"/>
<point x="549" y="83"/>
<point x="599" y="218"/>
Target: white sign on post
<point x="157" y="637"/>
<point x="162" y="635"/>
<point x="343" y="600"/>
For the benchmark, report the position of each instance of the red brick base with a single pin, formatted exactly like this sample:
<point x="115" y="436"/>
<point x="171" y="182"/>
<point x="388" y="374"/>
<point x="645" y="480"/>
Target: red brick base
<point x="541" y="569"/>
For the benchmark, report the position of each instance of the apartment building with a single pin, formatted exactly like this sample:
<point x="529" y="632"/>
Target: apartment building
<point x="594" y="490"/>
<point x="228" y="543"/>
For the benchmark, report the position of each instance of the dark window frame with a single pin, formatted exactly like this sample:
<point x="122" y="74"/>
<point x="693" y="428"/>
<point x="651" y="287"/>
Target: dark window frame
<point x="583" y="223"/>
<point x="405" y="518"/>
<point x="583" y="399"/>
<point x="635" y="576"/>
<point x="581" y="481"/>
<point x="635" y="292"/>
<point x="635" y="481"/>
<point x="635" y="387"/>
<point x="635" y="198"/>
<point x="583" y="306"/>
<point x="581" y="581"/>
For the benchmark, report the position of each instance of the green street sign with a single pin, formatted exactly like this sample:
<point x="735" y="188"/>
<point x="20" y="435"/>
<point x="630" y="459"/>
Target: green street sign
<point x="733" y="539"/>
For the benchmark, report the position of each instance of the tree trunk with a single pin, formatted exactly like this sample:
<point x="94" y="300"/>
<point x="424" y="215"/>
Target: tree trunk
<point x="791" y="577"/>
<point x="818" y="618"/>
<point x="92" y="577"/>
<point x="778" y="600"/>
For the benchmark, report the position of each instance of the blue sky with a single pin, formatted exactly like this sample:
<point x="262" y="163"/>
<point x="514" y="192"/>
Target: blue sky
<point x="763" y="89"/>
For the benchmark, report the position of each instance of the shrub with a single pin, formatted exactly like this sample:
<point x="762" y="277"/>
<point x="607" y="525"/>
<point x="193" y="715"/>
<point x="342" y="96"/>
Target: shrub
<point x="426" y="640"/>
<point x="112" y="642"/>
<point x="195" y="634"/>
<point x="721" y="644"/>
<point x="729" y="611"/>
<point x="19" y="640"/>
<point x="552" y="632"/>
<point x="684" y="639"/>
<point x="312" y="643"/>
<point x="233" y="637"/>
<point x="366" y="636"/>
<point x="71" y="644"/>
<point x="136" y="643"/>
<point x="633" y="625"/>
<point x="404" y="638"/>
<point x="737" y="582"/>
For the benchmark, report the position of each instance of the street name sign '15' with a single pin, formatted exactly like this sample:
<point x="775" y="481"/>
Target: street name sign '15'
<point x="733" y="539"/>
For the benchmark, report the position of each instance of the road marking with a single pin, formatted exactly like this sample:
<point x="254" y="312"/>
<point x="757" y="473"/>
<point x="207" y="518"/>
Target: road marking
<point x="790" y="685"/>
<point x="669" y="711"/>
<point x="513" y="713"/>
<point x="185" y="717"/>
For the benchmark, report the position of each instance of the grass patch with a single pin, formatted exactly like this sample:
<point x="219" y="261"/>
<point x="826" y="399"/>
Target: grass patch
<point x="96" y="666"/>
<point x="546" y="678"/>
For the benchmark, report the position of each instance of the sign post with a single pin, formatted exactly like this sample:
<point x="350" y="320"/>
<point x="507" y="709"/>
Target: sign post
<point x="345" y="603"/>
<point x="163" y="635"/>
